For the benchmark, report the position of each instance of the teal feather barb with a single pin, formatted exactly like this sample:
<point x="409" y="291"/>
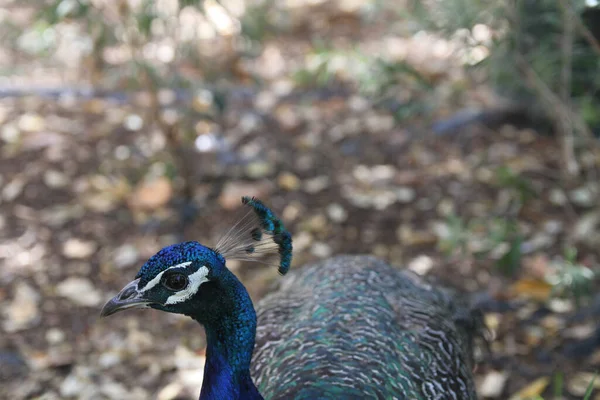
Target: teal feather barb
<point x="259" y="236"/>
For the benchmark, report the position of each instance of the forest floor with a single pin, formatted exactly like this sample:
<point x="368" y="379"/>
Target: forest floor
<point x="89" y="192"/>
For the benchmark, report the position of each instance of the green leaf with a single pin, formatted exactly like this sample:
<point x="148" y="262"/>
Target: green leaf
<point x="558" y="384"/>
<point x="145" y="17"/>
<point x="590" y="389"/>
<point x="511" y="260"/>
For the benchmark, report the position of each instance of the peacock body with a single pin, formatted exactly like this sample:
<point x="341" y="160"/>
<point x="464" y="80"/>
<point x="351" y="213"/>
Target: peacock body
<point x="350" y="327"/>
<point x="354" y="327"/>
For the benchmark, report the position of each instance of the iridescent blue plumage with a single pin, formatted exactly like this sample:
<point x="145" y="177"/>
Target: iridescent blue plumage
<point x="177" y="254"/>
<point x="267" y="218"/>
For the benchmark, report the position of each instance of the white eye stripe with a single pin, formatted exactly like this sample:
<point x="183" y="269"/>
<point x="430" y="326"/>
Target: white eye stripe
<point x="154" y="281"/>
<point x="195" y="280"/>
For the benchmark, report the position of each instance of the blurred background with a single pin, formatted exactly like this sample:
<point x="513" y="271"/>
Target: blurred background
<point x="457" y="138"/>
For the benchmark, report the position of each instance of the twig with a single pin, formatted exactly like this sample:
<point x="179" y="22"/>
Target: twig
<point x="175" y="147"/>
<point x="568" y="142"/>
<point x="563" y="117"/>
<point x="551" y="99"/>
<point x="170" y="130"/>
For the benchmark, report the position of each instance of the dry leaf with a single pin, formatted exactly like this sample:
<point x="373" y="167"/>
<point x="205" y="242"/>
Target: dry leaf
<point x="532" y="390"/>
<point x="579" y="383"/>
<point x="151" y="195"/>
<point x="532" y="288"/>
<point x="288" y="181"/>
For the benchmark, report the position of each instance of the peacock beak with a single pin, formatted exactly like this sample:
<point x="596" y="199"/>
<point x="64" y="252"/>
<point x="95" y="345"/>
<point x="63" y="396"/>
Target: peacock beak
<point x="129" y="297"/>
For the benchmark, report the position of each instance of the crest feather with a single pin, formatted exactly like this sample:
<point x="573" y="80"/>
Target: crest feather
<point x="258" y="236"/>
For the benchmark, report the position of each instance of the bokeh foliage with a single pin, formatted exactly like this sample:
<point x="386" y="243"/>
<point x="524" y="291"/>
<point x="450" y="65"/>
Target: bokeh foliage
<point x="557" y="40"/>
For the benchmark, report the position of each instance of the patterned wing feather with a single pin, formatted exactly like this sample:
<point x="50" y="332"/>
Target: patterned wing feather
<point x="353" y="327"/>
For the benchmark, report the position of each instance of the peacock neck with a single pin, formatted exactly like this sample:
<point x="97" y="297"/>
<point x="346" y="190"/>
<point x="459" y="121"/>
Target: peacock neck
<point x="230" y="342"/>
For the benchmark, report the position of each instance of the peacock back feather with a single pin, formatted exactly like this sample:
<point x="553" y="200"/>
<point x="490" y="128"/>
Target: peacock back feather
<point x="354" y="327"/>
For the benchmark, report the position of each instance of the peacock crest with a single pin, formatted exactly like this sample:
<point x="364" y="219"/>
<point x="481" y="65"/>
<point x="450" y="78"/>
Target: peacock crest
<point x="258" y="236"/>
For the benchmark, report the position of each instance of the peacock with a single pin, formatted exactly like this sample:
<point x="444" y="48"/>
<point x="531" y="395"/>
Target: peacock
<point x="350" y="327"/>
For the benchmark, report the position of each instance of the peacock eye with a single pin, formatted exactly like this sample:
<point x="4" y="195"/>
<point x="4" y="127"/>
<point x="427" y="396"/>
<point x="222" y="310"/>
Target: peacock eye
<point x="175" y="282"/>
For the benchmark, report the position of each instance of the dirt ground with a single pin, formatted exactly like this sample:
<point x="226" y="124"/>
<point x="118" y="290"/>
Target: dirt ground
<point x="90" y="188"/>
<point x="78" y="220"/>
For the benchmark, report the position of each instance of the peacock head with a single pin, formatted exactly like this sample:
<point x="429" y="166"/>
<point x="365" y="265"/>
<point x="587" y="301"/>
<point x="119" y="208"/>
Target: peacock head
<point x="170" y="279"/>
<point x="190" y="278"/>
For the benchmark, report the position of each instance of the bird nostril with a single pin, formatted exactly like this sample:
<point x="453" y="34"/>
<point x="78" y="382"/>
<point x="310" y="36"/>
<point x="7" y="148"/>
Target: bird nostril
<point x="128" y="293"/>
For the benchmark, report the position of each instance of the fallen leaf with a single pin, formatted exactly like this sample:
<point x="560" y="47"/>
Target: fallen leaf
<point x="532" y="390"/>
<point x="288" y="181"/>
<point x="80" y="291"/>
<point x="493" y="384"/>
<point x="532" y="288"/>
<point x="579" y="383"/>
<point x="151" y="195"/>
<point x="23" y="311"/>
<point x="79" y="249"/>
